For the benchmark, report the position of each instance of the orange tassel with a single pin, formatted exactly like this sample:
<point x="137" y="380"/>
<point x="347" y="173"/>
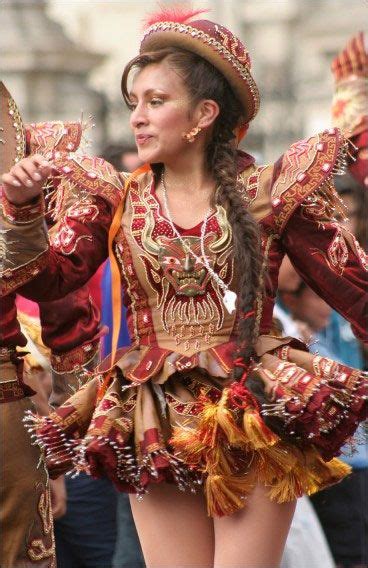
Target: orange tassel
<point x="274" y="463"/>
<point x="322" y="474"/>
<point x="286" y="489"/>
<point x="259" y="436"/>
<point x="226" y="494"/>
<point x="187" y="445"/>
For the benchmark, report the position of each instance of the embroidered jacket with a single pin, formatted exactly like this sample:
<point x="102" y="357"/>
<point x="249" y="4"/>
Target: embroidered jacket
<point x="175" y="312"/>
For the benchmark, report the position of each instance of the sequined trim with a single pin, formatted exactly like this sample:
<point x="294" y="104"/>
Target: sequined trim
<point x="92" y="176"/>
<point x="13" y="279"/>
<point x="20" y="134"/>
<point x="75" y="359"/>
<point x="21" y="215"/>
<point x="46" y="137"/>
<point x="249" y="189"/>
<point x="307" y="166"/>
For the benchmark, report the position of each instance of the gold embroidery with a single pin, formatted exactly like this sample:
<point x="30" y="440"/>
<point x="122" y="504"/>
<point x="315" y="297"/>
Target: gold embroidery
<point x="37" y="549"/>
<point x="188" y="301"/>
<point x="307" y="166"/>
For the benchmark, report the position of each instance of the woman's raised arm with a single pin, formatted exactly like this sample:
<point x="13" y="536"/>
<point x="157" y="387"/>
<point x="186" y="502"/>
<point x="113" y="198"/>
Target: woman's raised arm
<point x="46" y="266"/>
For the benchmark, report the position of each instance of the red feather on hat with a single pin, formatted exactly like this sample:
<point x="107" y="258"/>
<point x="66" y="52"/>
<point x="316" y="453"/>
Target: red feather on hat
<point x="178" y="14"/>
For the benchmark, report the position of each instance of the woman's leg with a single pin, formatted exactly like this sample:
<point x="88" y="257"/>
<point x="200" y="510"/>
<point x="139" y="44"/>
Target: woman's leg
<point x="173" y="528"/>
<point x="255" y="536"/>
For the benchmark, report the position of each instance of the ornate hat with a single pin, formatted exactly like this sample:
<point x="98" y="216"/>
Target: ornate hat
<point x="215" y="43"/>
<point x="349" y="103"/>
<point x="350" y="71"/>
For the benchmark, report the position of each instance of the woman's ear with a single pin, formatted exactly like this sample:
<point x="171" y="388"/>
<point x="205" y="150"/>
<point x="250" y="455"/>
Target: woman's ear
<point x="207" y="112"/>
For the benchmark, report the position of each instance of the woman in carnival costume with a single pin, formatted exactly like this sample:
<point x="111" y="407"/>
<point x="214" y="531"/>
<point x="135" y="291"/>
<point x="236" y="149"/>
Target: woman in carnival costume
<point x="207" y="399"/>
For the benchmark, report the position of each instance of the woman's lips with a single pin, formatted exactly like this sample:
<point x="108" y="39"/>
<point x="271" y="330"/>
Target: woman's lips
<point x="142" y="138"/>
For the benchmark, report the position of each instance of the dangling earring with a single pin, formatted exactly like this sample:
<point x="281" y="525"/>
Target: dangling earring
<point x="191" y="136"/>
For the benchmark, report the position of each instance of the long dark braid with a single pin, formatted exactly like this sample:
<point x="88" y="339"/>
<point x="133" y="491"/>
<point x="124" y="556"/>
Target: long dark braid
<point x="204" y="81"/>
<point x="246" y="236"/>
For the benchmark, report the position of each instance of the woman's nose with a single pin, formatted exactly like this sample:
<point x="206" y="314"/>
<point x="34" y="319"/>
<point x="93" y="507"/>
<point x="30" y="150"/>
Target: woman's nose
<point x="138" y="117"/>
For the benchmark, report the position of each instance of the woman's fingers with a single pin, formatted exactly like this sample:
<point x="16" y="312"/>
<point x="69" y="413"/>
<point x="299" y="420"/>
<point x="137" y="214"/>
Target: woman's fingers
<point x="25" y="179"/>
<point x="20" y="174"/>
<point x="29" y="170"/>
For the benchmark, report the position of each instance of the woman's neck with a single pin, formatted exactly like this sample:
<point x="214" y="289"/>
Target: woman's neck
<point x="188" y="178"/>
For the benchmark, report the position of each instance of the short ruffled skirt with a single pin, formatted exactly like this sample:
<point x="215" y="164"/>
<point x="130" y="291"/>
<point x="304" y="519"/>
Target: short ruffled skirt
<point x="204" y="432"/>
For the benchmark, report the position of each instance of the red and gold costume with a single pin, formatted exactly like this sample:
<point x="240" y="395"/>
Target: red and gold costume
<point x="168" y="409"/>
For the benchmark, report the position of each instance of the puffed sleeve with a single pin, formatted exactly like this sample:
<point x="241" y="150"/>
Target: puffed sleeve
<point x="330" y="260"/>
<point x="89" y="190"/>
<point x="304" y="202"/>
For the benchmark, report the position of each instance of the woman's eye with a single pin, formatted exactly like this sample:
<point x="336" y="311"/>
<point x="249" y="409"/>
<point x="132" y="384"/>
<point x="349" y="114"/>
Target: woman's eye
<point x="156" y="102"/>
<point x="132" y="106"/>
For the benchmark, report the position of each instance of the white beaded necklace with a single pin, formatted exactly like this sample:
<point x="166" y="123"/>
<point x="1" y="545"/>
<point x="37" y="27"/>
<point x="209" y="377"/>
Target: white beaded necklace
<point x="229" y="297"/>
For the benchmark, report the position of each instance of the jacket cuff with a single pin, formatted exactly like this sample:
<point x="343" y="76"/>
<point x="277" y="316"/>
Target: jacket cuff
<point x="76" y="359"/>
<point x="24" y="241"/>
<point x="23" y="214"/>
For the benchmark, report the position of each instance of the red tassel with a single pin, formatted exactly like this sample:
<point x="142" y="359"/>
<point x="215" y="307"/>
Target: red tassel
<point x="241" y="397"/>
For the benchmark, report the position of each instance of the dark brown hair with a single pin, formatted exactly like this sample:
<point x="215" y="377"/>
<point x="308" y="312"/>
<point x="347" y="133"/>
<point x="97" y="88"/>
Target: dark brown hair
<point x="204" y="81"/>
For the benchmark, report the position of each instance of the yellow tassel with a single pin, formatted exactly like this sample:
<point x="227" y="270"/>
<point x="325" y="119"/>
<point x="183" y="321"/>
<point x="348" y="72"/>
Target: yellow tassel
<point x="286" y="489"/>
<point x="299" y="472"/>
<point x="274" y="463"/>
<point x="211" y="446"/>
<point x="323" y="474"/>
<point x="259" y="436"/>
<point x="187" y="445"/>
<point x="225" y="420"/>
<point x="207" y="424"/>
<point x="226" y="494"/>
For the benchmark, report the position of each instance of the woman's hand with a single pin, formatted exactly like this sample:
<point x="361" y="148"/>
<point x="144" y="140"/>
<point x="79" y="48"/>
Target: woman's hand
<point x="25" y="180"/>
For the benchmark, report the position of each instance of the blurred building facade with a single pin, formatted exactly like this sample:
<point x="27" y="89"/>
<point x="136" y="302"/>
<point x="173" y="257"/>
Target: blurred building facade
<point x="46" y="71"/>
<point x="59" y="57"/>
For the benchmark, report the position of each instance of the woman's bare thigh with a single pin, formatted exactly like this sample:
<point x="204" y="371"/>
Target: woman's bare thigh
<point x="173" y="528"/>
<point x="255" y="536"/>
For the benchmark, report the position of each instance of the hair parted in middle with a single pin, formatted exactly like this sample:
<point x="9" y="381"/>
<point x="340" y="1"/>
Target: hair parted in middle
<point x="204" y="81"/>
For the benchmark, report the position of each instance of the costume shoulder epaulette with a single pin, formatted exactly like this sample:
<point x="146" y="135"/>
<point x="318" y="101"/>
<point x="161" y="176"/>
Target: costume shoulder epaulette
<point x="303" y="169"/>
<point x="84" y="176"/>
<point x="48" y="137"/>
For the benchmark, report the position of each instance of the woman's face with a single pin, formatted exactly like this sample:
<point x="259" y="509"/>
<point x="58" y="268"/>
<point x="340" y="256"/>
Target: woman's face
<point x="160" y="114"/>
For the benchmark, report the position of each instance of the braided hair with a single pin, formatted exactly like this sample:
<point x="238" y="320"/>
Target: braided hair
<point x="204" y="81"/>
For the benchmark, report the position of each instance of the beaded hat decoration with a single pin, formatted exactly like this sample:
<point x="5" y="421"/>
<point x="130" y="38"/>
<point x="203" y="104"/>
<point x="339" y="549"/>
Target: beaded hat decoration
<point x="352" y="60"/>
<point x="215" y="43"/>
<point x="350" y="72"/>
<point x="12" y="131"/>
